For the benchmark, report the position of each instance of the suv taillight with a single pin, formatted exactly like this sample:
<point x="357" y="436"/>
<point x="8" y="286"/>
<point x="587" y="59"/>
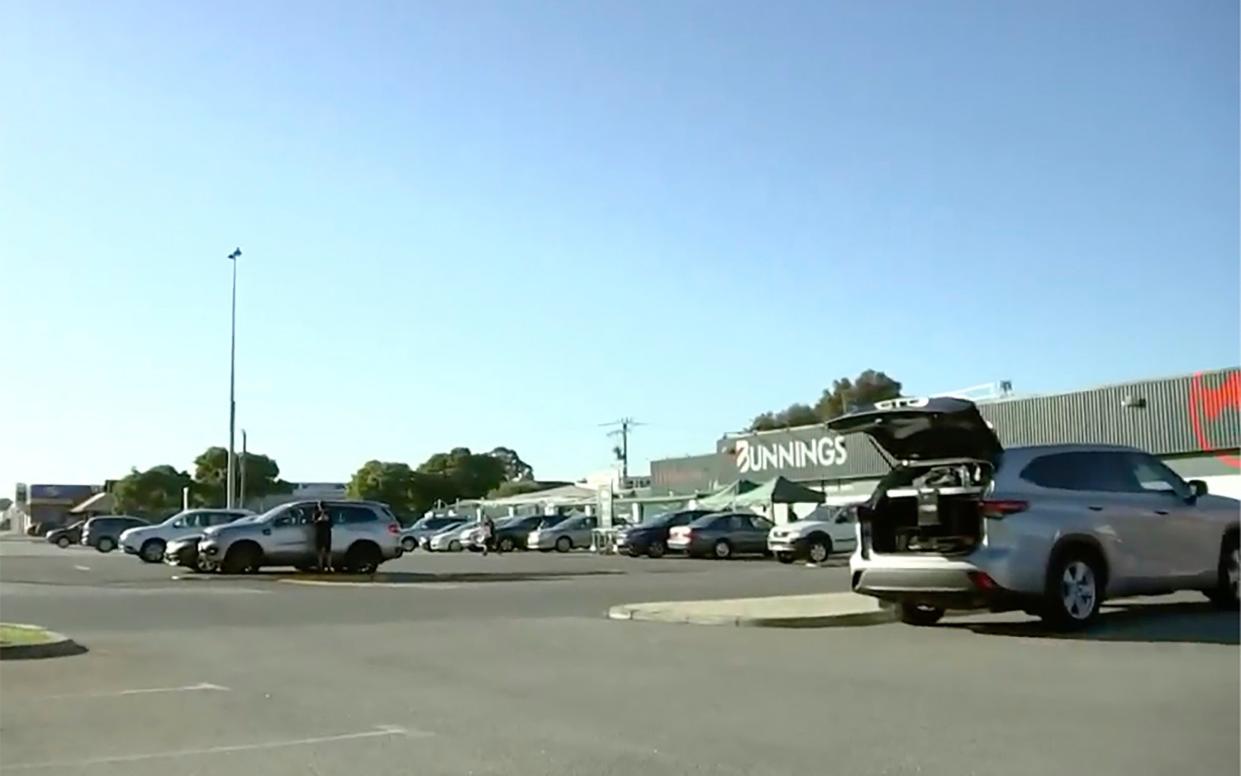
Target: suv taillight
<point x="998" y="508"/>
<point x="394" y="528"/>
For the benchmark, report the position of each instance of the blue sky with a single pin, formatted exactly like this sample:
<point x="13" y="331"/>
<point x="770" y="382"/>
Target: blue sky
<point x="490" y="223"/>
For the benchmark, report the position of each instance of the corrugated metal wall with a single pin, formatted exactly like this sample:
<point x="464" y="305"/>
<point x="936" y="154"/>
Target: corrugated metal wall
<point x="1194" y="413"/>
<point x="1191" y="414"/>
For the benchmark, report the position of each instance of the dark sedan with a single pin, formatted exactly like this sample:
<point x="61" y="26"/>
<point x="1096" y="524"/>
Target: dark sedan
<point x="722" y="535"/>
<point x="651" y="537"/>
<point x="103" y="533"/>
<point x="511" y="533"/>
<point x="70" y="534"/>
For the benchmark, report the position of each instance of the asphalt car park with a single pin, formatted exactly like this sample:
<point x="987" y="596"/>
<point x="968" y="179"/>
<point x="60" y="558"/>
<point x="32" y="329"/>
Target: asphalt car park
<point x="505" y="664"/>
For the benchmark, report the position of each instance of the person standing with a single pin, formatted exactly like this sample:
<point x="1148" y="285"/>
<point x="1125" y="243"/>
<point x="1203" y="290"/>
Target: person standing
<point x="323" y="536"/>
<point x="489" y="533"/>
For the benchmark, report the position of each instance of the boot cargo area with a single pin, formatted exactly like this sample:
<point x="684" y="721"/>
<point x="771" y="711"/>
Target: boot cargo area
<point x="933" y="510"/>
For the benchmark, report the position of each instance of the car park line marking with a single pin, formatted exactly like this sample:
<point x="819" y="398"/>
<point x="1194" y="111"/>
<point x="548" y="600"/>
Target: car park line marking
<point x="379" y="731"/>
<point x="82" y="568"/>
<point x="200" y="687"/>
<point x="328" y="583"/>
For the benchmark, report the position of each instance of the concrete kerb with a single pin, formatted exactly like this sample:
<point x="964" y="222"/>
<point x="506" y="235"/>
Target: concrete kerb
<point x="54" y="645"/>
<point x="815" y="611"/>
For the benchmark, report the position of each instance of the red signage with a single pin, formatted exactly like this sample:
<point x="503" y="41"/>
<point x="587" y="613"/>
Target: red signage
<point x="1207" y="405"/>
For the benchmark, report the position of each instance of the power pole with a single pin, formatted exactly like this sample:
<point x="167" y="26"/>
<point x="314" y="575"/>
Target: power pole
<point x="624" y="425"/>
<point x="230" y="485"/>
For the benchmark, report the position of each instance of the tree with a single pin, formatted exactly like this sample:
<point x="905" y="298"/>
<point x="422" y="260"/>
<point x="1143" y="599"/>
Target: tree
<point x="156" y="492"/>
<point x="869" y="387"/>
<point x="470" y="475"/>
<point x="514" y="468"/>
<point x="794" y="415"/>
<point x="391" y="483"/>
<point x="407" y="492"/>
<point x="211" y="471"/>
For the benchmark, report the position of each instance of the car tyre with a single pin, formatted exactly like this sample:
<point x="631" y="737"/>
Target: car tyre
<point x="920" y="614"/>
<point x="1074" y="591"/>
<point x="819" y="549"/>
<point x="63" y="542"/>
<point x="1224" y="595"/>
<point x="241" y="559"/>
<point x="105" y="544"/>
<point x="656" y="549"/>
<point x="408" y="544"/>
<point x="152" y="550"/>
<point x="454" y="546"/>
<point x="506" y="545"/>
<point x="722" y="550"/>
<point x="363" y="558"/>
<point x="785" y="557"/>
<point x="564" y="544"/>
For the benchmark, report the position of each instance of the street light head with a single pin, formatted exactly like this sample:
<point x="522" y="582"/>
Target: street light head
<point x="236" y="254"/>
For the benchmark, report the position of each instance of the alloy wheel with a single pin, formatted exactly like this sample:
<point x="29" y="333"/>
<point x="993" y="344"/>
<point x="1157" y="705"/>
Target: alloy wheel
<point x="1078" y="590"/>
<point x="818" y="552"/>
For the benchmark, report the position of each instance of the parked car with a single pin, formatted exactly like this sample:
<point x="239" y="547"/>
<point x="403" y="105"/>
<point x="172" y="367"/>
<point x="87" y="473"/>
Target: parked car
<point x="651" y="537"/>
<point x="564" y="534"/>
<point x="70" y="534"/>
<point x="183" y="551"/>
<point x="961" y="522"/>
<point x="722" y="535"/>
<point x="451" y="539"/>
<point x="148" y="542"/>
<point x="426" y="527"/>
<point x="816" y="536"/>
<point x="103" y="533"/>
<point x="364" y="535"/>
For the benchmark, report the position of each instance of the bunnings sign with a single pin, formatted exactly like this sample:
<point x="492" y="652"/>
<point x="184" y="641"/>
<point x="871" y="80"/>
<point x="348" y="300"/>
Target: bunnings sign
<point x="807" y="451"/>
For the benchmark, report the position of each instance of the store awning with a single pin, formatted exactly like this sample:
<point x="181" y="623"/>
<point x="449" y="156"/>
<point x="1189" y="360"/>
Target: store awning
<point x="100" y="503"/>
<point x="774" y="491"/>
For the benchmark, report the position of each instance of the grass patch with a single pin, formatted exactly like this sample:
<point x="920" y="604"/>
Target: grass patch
<point x="23" y="634"/>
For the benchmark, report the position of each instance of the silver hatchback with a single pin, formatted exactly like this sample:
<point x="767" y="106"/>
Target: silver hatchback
<point x="364" y="535"/>
<point x="960" y="522"/>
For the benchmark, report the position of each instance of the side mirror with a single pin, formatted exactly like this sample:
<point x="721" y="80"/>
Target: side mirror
<point x="267" y="532"/>
<point x="1197" y="489"/>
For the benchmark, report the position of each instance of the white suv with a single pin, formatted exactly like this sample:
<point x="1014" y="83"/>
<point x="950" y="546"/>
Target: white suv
<point x="148" y="542"/>
<point x="814" y="537"/>
<point x="960" y="522"/>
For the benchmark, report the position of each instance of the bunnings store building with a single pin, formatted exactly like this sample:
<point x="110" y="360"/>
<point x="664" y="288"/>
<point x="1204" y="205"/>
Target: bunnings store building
<point x="1193" y="422"/>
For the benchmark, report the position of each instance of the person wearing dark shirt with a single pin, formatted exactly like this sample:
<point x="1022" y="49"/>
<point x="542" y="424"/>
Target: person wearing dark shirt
<point x="323" y="537"/>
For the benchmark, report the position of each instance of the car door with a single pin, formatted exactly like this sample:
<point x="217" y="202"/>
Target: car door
<point x="756" y="536"/>
<point x="351" y="523"/>
<point x="188" y="523"/>
<point x="287" y="538"/>
<point x="584" y="535"/>
<point x="1180" y="537"/>
<point x="843" y="530"/>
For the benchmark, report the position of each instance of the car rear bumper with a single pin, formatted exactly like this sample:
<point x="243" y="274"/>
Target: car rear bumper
<point x="951" y="585"/>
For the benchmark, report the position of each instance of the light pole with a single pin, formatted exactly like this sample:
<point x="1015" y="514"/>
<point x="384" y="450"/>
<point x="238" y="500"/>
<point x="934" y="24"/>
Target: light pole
<point x="232" y="386"/>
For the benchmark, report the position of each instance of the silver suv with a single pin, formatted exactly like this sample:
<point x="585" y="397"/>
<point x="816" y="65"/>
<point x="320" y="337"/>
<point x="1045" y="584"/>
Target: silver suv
<point x="364" y="535"/>
<point x="961" y="523"/>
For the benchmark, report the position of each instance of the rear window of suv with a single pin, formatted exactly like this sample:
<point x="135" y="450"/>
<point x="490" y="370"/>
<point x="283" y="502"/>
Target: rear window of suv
<point x="351" y="515"/>
<point x="1094" y="471"/>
